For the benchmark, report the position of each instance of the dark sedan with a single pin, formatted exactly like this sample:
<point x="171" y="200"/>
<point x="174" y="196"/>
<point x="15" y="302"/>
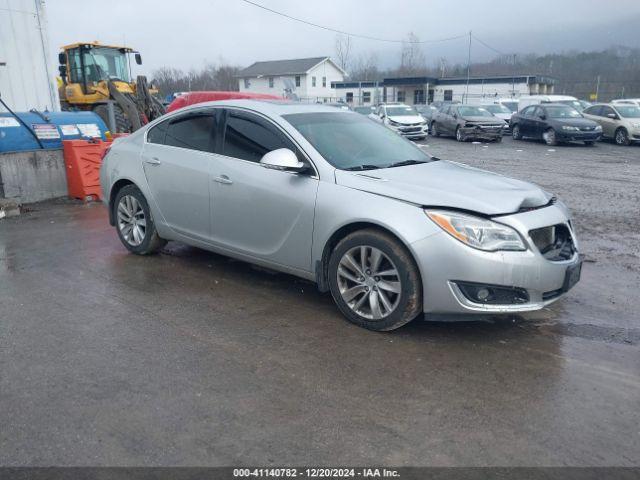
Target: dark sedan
<point x="554" y="123"/>
<point x="467" y="122"/>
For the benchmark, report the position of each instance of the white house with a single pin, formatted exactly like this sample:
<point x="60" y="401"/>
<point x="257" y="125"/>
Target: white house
<point x="309" y="79"/>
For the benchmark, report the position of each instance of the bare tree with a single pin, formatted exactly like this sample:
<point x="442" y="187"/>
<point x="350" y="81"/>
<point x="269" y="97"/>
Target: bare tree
<point x="412" y="58"/>
<point x="365" y="68"/>
<point x="210" y="77"/>
<point x="343" y="51"/>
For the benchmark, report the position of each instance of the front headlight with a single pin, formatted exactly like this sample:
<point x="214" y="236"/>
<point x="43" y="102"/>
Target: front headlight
<point x="635" y="125"/>
<point x="477" y="232"/>
<point x="394" y="124"/>
<point x="598" y="128"/>
<point x="570" y="128"/>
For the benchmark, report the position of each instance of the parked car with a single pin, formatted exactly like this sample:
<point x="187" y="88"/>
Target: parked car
<point x="427" y="112"/>
<point x="340" y="105"/>
<point x="510" y="103"/>
<point x="501" y="111"/>
<point x="524" y="102"/>
<point x="368" y="110"/>
<point x="620" y="122"/>
<point x="402" y="119"/>
<point x="627" y="101"/>
<point x="334" y="198"/>
<point x="584" y="104"/>
<point x="554" y="123"/>
<point x="466" y="122"/>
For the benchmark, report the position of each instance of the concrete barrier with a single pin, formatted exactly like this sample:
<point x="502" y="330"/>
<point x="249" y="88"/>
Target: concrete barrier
<point x="32" y="176"/>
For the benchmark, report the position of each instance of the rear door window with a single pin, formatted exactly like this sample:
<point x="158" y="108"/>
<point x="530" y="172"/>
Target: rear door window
<point x="595" y="110"/>
<point x="249" y="137"/>
<point x="194" y="131"/>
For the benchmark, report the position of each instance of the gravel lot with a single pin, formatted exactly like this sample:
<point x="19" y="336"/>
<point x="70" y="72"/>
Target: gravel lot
<point x="190" y="358"/>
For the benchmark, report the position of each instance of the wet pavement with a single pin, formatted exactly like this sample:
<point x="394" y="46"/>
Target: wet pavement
<point x="190" y="358"/>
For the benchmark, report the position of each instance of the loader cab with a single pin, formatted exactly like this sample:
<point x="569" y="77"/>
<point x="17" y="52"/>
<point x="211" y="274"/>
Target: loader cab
<point x="89" y="64"/>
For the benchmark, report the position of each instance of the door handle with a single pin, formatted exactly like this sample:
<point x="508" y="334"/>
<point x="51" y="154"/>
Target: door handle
<point x="153" y="161"/>
<point x="223" y="179"/>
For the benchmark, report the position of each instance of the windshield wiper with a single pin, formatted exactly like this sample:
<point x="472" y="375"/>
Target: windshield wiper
<point x="362" y="167"/>
<point x="406" y="162"/>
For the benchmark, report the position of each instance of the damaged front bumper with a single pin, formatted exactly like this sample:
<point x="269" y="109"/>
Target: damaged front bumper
<point x="521" y="281"/>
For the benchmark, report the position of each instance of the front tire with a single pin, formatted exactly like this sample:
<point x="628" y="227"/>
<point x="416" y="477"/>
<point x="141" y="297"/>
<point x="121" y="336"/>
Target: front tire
<point x="515" y="132"/>
<point x="374" y="280"/>
<point x="123" y="125"/>
<point x="134" y="223"/>
<point x="549" y="137"/>
<point x="621" y="137"/>
<point x="459" y="136"/>
<point x="434" y="130"/>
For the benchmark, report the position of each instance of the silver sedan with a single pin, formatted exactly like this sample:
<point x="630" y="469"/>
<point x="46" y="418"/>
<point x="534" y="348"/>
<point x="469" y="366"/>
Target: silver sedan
<point x="344" y="202"/>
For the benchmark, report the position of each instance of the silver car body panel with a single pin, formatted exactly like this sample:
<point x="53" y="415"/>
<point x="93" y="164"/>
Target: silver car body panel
<point x="284" y="220"/>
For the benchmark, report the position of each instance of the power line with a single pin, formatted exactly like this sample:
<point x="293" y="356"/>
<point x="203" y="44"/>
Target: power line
<point x="489" y="46"/>
<point x="335" y="30"/>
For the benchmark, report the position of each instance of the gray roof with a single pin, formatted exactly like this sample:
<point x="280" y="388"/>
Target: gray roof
<point x="281" y="67"/>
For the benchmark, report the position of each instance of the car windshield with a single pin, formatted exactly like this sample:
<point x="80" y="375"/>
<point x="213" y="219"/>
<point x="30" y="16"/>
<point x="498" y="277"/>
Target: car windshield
<point x="106" y="63"/>
<point x="628" y="111"/>
<point x="513" y="106"/>
<point x="403" y="111"/>
<point x="562" y="112"/>
<point x="474" y="112"/>
<point x="349" y="141"/>
<point x="497" y="108"/>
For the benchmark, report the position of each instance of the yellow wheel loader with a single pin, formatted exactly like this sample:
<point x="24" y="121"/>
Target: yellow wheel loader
<point x="97" y="77"/>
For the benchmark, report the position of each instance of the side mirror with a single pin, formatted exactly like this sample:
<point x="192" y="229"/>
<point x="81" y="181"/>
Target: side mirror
<point x="138" y="58"/>
<point x="62" y="70"/>
<point x="62" y="58"/>
<point x="543" y="117"/>
<point x="612" y="116"/>
<point x="282" y="159"/>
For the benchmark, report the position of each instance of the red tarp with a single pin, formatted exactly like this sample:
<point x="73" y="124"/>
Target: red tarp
<point x="192" y="98"/>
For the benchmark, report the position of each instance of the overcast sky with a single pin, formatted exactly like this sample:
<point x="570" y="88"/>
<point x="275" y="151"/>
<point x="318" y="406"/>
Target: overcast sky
<point x="191" y="33"/>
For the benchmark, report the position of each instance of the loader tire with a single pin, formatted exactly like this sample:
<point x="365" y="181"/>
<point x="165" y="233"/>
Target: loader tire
<point x="123" y="125"/>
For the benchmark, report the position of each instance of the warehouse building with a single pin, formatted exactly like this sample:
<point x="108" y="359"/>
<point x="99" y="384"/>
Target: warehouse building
<point x="420" y="90"/>
<point x="306" y="79"/>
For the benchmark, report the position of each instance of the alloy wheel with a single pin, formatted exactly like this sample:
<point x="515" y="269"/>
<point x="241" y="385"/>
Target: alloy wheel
<point x="549" y="136"/>
<point x="131" y="220"/>
<point x="369" y="282"/>
<point x="621" y="137"/>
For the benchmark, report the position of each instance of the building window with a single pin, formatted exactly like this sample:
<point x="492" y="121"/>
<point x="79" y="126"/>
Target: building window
<point x="324" y="81"/>
<point x="349" y="97"/>
<point x="418" y="96"/>
<point x="297" y="80"/>
<point x="448" y="95"/>
<point x="313" y="81"/>
<point x="270" y="82"/>
<point x="400" y="96"/>
<point x="366" y="97"/>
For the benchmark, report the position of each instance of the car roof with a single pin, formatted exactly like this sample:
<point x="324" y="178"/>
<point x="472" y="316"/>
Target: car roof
<point x="269" y="107"/>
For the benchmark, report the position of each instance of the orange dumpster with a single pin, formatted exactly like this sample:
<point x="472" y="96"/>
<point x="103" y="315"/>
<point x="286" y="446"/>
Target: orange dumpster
<point x="82" y="159"/>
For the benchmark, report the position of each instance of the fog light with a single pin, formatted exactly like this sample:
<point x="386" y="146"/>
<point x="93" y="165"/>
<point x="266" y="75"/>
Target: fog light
<point x="483" y="294"/>
<point x="493" y="294"/>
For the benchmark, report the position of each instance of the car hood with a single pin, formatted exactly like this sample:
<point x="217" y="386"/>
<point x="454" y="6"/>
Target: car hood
<point x="484" y="120"/>
<point x="450" y="185"/>
<point x="574" y="122"/>
<point x="407" y="119"/>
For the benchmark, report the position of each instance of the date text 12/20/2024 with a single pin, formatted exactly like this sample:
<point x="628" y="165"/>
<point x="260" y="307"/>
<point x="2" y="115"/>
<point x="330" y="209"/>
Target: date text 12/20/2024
<point x="315" y="473"/>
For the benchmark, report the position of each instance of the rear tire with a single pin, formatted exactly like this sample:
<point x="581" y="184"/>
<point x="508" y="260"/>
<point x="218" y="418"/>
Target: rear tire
<point x="377" y="302"/>
<point x="515" y="132"/>
<point x="621" y="137"/>
<point x="590" y="143"/>
<point x="134" y="223"/>
<point x="123" y="125"/>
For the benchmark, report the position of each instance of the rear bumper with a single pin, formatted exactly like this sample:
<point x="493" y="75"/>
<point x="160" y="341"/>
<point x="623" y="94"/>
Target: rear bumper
<point x="444" y="261"/>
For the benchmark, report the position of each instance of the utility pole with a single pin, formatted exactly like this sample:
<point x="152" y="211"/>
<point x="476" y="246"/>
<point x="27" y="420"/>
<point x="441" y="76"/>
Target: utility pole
<point x="513" y="81"/>
<point x="468" y="70"/>
<point x="597" y="87"/>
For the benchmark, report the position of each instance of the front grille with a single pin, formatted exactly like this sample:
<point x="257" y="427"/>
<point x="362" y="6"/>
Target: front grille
<point x="410" y="129"/>
<point x="587" y="129"/>
<point x="554" y="243"/>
